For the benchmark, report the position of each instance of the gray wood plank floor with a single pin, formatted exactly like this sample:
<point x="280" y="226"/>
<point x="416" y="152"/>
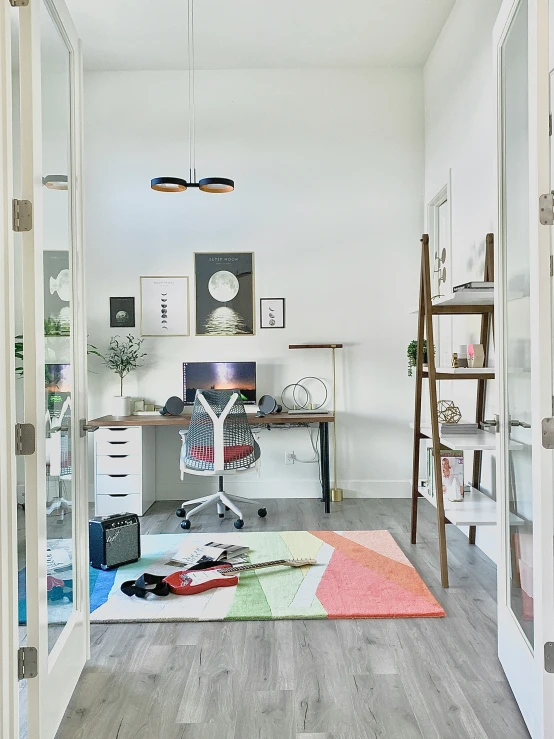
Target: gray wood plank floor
<point x="359" y="679"/>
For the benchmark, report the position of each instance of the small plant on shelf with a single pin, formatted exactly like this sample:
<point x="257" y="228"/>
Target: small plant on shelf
<point x="122" y="356"/>
<point x="412" y="355"/>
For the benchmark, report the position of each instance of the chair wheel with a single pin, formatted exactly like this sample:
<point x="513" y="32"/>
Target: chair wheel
<point x="180" y="512"/>
<point x="262" y="512"/>
<point x="185" y="524"/>
<point x="227" y="508"/>
<point x="238" y="524"/>
<point x="221" y="515"/>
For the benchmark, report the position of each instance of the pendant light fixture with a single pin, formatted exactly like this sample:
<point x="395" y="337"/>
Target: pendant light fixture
<point x="206" y="184"/>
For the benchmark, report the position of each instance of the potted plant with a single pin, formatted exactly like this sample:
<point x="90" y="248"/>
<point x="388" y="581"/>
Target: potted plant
<point x="412" y="355"/>
<point x="122" y="356"/>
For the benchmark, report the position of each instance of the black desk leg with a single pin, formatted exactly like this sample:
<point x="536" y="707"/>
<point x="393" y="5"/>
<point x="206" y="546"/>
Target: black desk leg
<point x="325" y="474"/>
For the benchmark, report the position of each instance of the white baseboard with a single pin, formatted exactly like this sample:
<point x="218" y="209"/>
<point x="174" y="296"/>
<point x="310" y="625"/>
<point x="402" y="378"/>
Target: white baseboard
<point x="267" y="489"/>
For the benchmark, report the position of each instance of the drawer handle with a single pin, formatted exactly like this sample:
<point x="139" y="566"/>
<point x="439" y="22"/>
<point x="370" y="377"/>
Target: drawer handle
<point x="118" y="442"/>
<point x="118" y="456"/>
<point x="114" y="495"/>
<point x="123" y="428"/>
<point x="118" y="475"/>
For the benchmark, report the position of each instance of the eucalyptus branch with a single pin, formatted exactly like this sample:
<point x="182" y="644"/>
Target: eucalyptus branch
<point x="123" y="356"/>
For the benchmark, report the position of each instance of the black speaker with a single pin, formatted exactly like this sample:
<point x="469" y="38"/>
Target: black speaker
<point x="173" y="406"/>
<point x="114" y="540"/>
<point x="268" y="404"/>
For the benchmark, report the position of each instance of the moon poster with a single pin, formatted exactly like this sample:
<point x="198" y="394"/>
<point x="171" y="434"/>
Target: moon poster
<point x="122" y="312"/>
<point x="224" y="294"/>
<point x="164" y="306"/>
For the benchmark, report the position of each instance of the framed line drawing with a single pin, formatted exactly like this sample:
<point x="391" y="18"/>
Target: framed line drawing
<point x="272" y="312"/>
<point x="164" y="306"/>
<point x="224" y="293"/>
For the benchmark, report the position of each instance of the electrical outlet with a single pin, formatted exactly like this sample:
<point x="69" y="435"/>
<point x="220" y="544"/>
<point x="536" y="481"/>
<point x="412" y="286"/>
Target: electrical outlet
<point x="289" y="457"/>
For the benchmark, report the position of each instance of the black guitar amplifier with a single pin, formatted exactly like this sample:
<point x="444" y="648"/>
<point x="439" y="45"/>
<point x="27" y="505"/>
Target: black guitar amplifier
<point x="114" y="540"/>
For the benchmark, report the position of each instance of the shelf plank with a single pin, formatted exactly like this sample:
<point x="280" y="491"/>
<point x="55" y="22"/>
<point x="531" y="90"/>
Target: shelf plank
<point x="477" y="509"/>
<point x="479" y="441"/>
<point x="463" y="373"/>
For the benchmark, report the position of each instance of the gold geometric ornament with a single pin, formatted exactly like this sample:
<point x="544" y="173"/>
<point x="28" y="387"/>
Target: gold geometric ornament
<point x="448" y="412"/>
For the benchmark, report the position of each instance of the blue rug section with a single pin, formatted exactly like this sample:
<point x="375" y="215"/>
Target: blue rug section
<point x="101" y="583"/>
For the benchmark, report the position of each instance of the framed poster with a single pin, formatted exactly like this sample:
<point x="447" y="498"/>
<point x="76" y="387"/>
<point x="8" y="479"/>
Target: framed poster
<point x="224" y="294"/>
<point x="57" y="292"/>
<point x="122" y="312"/>
<point x="164" y="305"/>
<point x="272" y="313"/>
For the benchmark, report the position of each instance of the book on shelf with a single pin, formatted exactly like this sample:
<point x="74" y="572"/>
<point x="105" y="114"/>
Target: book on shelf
<point x="458" y="428"/>
<point x="474" y="285"/>
<point x="452" y="472"/>
<point x="190" y="554"/>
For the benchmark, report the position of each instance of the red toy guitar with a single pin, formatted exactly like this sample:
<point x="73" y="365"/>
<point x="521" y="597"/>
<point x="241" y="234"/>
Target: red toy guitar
<point x="189" y="582"/>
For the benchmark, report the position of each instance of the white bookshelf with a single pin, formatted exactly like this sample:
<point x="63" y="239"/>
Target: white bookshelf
<point x="477" y="509"/>
<point x="483" y="441"/>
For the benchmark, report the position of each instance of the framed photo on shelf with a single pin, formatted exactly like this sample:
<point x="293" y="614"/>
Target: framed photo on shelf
<point x="164" y="306"/>
<point x="272" y="312"/>
<point x="224" y="293"/>
<point x="122" y="312"/>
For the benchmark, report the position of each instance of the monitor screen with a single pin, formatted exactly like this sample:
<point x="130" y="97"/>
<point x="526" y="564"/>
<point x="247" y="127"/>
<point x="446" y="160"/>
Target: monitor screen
<point x="219" y="376"/>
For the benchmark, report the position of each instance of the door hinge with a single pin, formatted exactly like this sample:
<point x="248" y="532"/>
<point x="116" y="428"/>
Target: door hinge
<point x="27" y="663"/>
<point x="548" y="433"/>
<point x="22" y="216"/>
<point x="550" y="124"/>
<point x="25" y="439"/>
<point x="19" y="3"/>
<point x="551" y="266"/>
<point x="546" y="209"/>
<point x="549" y="656"/>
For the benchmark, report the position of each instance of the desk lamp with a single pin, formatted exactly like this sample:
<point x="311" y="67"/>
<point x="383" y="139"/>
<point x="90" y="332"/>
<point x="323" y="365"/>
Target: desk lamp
<point x="336" y="492"/>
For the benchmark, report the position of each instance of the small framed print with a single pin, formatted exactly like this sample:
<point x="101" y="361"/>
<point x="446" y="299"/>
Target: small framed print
<point x="272" y="313"/>
<point x="164" y="305"/>
<point x="122" y="312"/>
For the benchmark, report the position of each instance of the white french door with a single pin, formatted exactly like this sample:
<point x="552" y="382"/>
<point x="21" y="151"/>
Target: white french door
<point x="523" y="325"/>
<point x="45" y="559"/>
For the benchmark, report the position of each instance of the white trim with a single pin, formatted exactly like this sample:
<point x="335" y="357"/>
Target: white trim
<point x="532" y="686"/>
<point x="9" y="640"/>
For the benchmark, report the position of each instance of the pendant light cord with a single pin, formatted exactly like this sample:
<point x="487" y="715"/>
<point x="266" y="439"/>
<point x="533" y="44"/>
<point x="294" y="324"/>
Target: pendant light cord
<point x="192" y="111"/>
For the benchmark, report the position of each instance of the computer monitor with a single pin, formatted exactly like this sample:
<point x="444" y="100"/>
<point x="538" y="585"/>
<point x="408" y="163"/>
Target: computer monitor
<point x="219" y="376"/>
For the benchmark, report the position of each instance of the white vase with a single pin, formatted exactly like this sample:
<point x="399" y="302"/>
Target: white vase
<point x="121" y="406"/>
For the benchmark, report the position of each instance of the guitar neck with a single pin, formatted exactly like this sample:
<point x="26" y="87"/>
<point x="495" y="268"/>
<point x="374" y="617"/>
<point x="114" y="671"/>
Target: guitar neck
<point x="258" y="565"/>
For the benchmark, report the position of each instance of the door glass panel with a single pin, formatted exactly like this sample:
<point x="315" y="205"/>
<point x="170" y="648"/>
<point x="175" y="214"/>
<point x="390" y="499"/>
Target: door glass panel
<point x="517" y="317"/>
<point x="56" y="164"/>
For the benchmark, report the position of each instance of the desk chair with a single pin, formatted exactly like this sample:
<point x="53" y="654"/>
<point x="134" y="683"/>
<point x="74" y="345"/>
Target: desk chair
<point x="219" y="441"/>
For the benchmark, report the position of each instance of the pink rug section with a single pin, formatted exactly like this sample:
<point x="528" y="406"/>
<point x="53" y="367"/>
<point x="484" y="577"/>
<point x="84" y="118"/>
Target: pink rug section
<point x="368" y="576"/>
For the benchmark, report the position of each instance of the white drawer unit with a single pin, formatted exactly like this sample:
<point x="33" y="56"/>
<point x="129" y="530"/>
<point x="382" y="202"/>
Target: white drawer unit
<point x="107" y="505"/>
<point x="124" y="470"/>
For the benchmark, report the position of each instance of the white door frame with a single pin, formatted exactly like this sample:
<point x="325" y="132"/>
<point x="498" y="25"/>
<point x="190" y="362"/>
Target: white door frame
<point x="9" y="642"/>
<point x="58" y="672"/>
<point x="531" y="685"/>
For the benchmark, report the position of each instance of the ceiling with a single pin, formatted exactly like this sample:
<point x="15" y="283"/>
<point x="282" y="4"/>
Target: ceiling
<point x="258" y="34"/>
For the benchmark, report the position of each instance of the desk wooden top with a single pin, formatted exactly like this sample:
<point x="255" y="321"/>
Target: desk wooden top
<point x="183" y="420"/>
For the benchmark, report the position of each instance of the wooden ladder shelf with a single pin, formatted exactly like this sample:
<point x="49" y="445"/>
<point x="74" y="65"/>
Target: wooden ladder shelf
<point x="456" y="304"/>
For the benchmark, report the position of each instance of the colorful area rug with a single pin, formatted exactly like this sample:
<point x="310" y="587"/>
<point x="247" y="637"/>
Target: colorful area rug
<point x="359" y="574"/>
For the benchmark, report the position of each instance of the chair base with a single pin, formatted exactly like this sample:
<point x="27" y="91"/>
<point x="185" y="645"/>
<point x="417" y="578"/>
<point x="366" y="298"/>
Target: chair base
<point x="222" y="501"/>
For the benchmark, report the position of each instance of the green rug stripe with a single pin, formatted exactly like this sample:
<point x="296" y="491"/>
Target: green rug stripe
<point x="280" y="585"/>
<point x="249" y="601"/>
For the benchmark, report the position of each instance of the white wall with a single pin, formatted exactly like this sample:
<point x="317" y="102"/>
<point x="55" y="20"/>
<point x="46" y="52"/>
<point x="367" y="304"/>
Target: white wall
<point x="460" y="142"/>
<point x="328" y="167"/>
